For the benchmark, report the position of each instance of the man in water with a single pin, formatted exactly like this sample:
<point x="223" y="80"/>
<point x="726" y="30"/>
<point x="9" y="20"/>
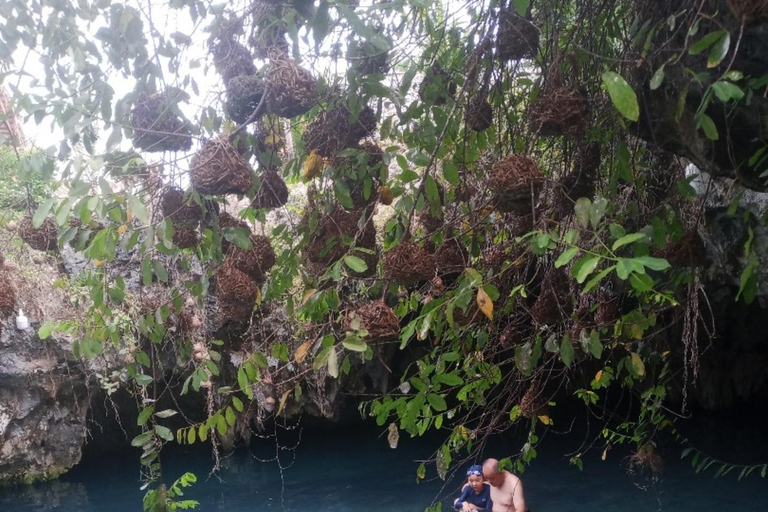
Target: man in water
<point x="506" y="488"/>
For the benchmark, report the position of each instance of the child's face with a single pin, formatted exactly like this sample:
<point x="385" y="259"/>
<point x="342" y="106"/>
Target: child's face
<point x="476" y="483"/>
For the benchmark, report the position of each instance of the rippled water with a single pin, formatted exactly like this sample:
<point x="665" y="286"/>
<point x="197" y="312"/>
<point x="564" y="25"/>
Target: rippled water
<point x="354" y="471"/>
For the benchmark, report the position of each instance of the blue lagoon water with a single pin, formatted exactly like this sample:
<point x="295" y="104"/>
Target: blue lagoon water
<point x="355" y="471"/>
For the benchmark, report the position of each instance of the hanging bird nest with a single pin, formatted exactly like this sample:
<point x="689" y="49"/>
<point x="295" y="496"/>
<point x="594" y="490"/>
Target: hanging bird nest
<point x="367" y="59"/>
<point x="336" y="233"/>
<point x="408" y="264"/>
<point x="266" y="38"/>
<point x="518" y="224"/>
<point x="231" y="59"/>
<point x="269" y="134"/>
<point x="183" y="214"/>
<point x="438" y="86"/>
<point x="254" y="262"/>
<point x="332" y="130"/>
<point x="516" y="182"/>
<point x="516" y="331"/>
<point x="554" y="300"/>
<point x="234" y="285"/>
<point x="579" y="182"/>
<point x="7" y="293"/>
<point x="291" y="90"/>
<point x="751" y="12"/>
<point x="560" y="111"/>
<point x="273" y="191"/>
<point x="451" y="258"/>
<point x="157" y="125"/>
<point x="363" y="126"/>
<point x="495" y="255"/>
<point x="44" y="238"/>
<point x="518" y="38"/>
<point x="688" y="252"/>
<point x="185" y="238"/>
<point x="219" y="169"/>
<point x="533" y="400"/>
<point x="244" y="93"/>
<point x="375" y="317"/>
<point x="478" y="115"/>
<point x="608" y="310"/>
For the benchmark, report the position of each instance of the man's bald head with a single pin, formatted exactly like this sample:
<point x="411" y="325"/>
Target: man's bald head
<point x="491" y="466"/>
<point x="491" y="472"/>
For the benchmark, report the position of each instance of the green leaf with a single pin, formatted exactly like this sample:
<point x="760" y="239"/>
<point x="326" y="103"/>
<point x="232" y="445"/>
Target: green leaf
<point x="449" y="379"/>
<point x="46" y="330"/>
<point x="581" y="209"/>
<point x="705" y="42"/>
<point x="167" y="413"/>
<point x="451" y="173"/>
<point x="638" y="367"/>
<point x="191" y="435"/>
<point x="622" y="95"/>
<point x="566" y="351"/>
<point x="626" y="240"/>
<point x="596" y="280"/>
<point x="566" y="257"/>
<point x="160" y="271"/>
<point x="139" y="209"/>
<point x="437" y="402"/>
<point x="144" y="415"/>
<point x="356" y="264"/>
<point x="658" y="78"/>
<point x="354" y="343"/>
<point x="708" y="125"/>
<point x="719" y="51"/>
<point x="142" y="439"/>
<point x="584" y="267"/>
<point x="521" y="6"/>
<point x="343" y="194"/>
<point x="164" y="432"/>
<point x="238" y="404"/>
<point x="42" y="212"/>
<point x="727" y="91"/>
<point x="230" y="417"/>
<point x="653" y="263"/>
<point x="221" y="424"/>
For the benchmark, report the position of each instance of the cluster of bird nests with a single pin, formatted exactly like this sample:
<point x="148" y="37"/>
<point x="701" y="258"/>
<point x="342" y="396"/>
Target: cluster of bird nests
<point x="517" y="38"/>
<point x="291" y="89"/>
<point x="438" y="86"/>
<point x="337" y="129"/>
<point x="157" y="123"/>
<point x="231" y="59"/>
<point x="233" y="285"/>
<point x="751" y="12"/>
<point x="119" y="164"/>
<point x="43" y="238"/>
<point x="337" y="232"/>
<point x="273" y="191"/>
<point x="408" y="264"/>
<point x="580" y="181"/>
<point x="7" y="289"/>
<point x="560" y="111"/>
<point x="183" y="213"/>
<point x="244" y="93"/>
<point x="367" y="59"/>
<point x="254" y="262"/>
<point x="451" y="258"/>
<point x="515" y="182"/>
<point x="478" y="115"/>
<point x="533" y="400"/>
<point x="554" y="301"/>
<point x="375" y="317"/>
<point x="689" y="251"/>
<point x="219" y="169"/>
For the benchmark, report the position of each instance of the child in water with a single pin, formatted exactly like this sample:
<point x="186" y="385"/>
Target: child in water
<point x="476" y="492"/>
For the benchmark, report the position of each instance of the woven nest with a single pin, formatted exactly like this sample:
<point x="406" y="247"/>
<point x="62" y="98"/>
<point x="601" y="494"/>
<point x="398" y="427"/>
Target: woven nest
<point x="254" y="262"/>
<point x="185" y="238"/>
<point x="119" y="164"/>
<point x="515" y="333"/>
<point x="608" y="310"/>
<point x="267" y="38"/>
<point x="494" y="256"/>
<point x="329" y="241"/>
<point x="518" y="38"/>
<point x="234" y="285"/>
<point x="184" y="214"/>
<point x="156" y="124"/>
<point x="554" y="301"/>
<point x="479" y="114"/>
<point x="375" y="317"/>
<point x="561" y="111"/>
<point x="269" y="135"/>
<point x="688" y="252"/>
<point x="231" y="59"/>
<point x="219" y="169"/>
<point x="273" y="191"/>
<point x="332" y="130"/>
<point x="451" y="258"/>
<point x="579" y="182"/>
<point x="752" y="12"/>
<point x="366" y="59"/>
<point x="408" y="264"/>
<point x="44" y="238"/>
<point x="533" y="400"/>
<point x="437" y="86"/>
<point x="244" y="93"/>
<point x="291" y="90"/>
<point x="7" y="293"/>
<point x="516" y="182"/>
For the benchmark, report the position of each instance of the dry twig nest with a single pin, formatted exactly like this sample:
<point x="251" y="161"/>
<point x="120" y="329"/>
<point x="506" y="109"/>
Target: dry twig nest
<point x="291" y="90"/>
<point x="44" y="238"/>
<point x="219" y="169"/>
<point x="408" y="264"/>
<point x="516" y="182"/>
<point x="185" y="238"/>
<point x="231" y="59"/>
<point x="580" y="181"/>
<point x="269" y="134"/>
<point x="437" y="86"/>
<point x="332" y="131"/>
<point x="183" y="214"/>
<point x="560" y="111"/>
<point x="244" y="94"/>
<point x="157" y="124"/>
<point x="337" y="232"/>
<point x="516" y="331"/>
<point x="273" y="191"/>
<point x="451" y="258"/>
<point x="7" y="291"/>
<point x="375" y="317"/>
<point x="367" y="59"/>
<point x="554" y="301"/>
<point x="254" y="262"/>
<point x="479" y="114"/>
<point x="533" y="400"/>
<point x="608" y="310"/>
<point x="518" y="38"/>
<point x="688" y="252"/>
<point x="751" y="12"/>
<point x="234" y="285"/>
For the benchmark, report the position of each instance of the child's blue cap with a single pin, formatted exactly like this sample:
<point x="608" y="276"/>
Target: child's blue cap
<point x="475" y="469"/>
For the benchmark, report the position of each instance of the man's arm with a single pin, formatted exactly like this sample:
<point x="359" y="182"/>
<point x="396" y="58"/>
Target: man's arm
<point x="518" y="498"/>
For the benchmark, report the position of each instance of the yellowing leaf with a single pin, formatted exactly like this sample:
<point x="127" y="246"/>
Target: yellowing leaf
<point x="122" y="229"/>
<point x="605" y="453"/>
<point x="301" y="353"/>
<point x="98" y="263"/>
<point x="485" y="303"/>
<point x="313" y="166"/>
<point x="546" y="420"/>
<point x="128" y="215"/>
<point x="308" y="295"/>
<point x="272" y="141"/>
<point x="283" y="399"/>
<point x="638" y="365"/>
<point x="393" y="435"/>
<point x="599" y="375"/>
